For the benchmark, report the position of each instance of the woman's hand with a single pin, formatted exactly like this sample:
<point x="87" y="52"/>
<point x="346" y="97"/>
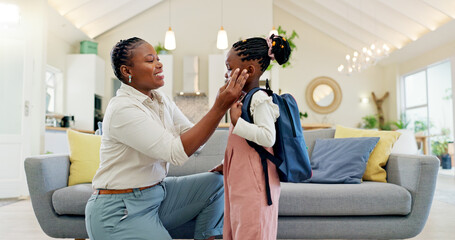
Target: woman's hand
<point x="231" y="91"/>
<point x="218" y="168"/>
<point x="235" y="112"/>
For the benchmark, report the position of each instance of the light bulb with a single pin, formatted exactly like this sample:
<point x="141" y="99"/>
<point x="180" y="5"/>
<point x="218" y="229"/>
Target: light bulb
<point x="350" y="70"/>
<point x="364" y="49"/>
<point x="348" y="57"/>
<point x="354" y="59"/>
<point x="273" y="31"/>
<point x="385" y="47"/>
<point x="340" y="68"/>
<point x="169" y="40"/>
<point x="356" y="54"/>
<point x="367" y="59"/>
<point x="222" y="39"/>
<point x="372" y="46"/>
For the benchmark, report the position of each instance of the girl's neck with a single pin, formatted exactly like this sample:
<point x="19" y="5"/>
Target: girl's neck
<point x="253" y="83"/>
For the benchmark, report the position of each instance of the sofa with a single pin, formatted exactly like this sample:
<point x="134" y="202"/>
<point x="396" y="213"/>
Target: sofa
<point x="397" y="209"/>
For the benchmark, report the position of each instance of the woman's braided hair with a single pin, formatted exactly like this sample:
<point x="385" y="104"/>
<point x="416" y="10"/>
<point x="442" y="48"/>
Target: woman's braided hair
<point x="257" y="49"/>
<point x="122" y="53"/>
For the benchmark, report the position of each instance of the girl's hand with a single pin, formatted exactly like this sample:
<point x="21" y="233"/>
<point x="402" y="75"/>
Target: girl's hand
<point x="218" y="168"/>
<point x="236" y="112"/>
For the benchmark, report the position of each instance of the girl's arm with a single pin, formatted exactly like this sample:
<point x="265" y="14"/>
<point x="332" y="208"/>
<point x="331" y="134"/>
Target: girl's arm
<point x="265" y="113"/>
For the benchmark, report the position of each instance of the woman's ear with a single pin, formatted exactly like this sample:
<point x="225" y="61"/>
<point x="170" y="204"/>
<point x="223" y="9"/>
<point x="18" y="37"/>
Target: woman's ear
<point x="125" y="71"/>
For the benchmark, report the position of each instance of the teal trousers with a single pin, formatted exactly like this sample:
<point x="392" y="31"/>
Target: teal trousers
<point x="149" y="213"/>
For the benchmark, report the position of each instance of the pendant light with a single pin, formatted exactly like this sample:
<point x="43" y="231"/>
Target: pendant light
<point x="169" y="39"/>
<point x="222" y="39"/>
<point x="273" y="31"/>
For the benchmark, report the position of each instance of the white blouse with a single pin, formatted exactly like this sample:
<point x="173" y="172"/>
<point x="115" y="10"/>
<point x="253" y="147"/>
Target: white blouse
<point x="140" y="138"/>
<point x="264" y="113"/>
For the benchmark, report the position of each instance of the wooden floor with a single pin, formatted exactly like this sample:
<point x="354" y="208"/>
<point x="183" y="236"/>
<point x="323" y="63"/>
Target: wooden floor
<point x="17" y="220"/>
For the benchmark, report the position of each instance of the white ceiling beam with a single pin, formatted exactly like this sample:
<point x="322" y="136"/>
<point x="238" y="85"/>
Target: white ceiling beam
<point x="364" y="22"/>
<point x="93" y="10"/>
<point x="117" y="17"/>
<point x="65" y="6"/>
<point x="383" y="15"/>
<point x="319" y="24"/>
<point x="336" y="19"/>
<point x="419" y="12"/>
<point x="444" y="6"/>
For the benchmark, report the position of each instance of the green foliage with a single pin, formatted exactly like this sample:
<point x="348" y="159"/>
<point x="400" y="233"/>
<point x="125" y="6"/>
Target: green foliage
<point x="370" y="121"/>
<point x="386" y="126"/>
<point x="402" y="123"/>
<point x="448" y="94"/>
<point x="159" y="48"/>
<point x="303" y="115"/>
<point x="439" y="147"/>
<point x="290" y="40"/>
<point x="420" y="126"/>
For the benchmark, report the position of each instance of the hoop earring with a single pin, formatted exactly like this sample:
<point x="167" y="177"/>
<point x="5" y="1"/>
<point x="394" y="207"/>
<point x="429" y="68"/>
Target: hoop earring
<point x="129" y="78"/>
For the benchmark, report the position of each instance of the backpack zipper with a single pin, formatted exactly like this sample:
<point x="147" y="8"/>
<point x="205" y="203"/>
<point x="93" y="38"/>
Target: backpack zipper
<point x="290" y="116"/>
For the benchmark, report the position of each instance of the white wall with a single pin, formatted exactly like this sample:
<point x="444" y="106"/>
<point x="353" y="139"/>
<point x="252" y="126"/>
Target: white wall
<point x="317" y="55"/>
<point x="62" y="39"/>
<point x="196" y="24"/>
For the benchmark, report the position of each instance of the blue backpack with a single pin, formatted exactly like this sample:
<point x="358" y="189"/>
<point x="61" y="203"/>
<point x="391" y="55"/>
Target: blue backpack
<point x="290" y="151"/>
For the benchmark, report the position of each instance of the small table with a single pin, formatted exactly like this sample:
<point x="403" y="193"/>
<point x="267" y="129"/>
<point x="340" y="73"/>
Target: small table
<point x="423" y="140"/>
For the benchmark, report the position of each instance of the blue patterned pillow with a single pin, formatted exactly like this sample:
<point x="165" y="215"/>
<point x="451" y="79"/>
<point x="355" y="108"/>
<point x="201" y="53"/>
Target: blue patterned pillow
<point x="341" y="160"/>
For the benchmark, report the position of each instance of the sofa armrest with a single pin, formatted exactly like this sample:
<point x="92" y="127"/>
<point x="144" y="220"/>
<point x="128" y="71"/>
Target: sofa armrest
<point x="413" y="172"/>
<point x="418" y="174"/>
<point x="45" y="174"/>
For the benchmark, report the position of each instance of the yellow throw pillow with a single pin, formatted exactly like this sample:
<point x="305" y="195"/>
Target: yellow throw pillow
<point x="380" y="155"/>
<point x="84" y="156"/>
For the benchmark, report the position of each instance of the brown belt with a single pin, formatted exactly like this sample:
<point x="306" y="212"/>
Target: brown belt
<point x="120" y="191"/>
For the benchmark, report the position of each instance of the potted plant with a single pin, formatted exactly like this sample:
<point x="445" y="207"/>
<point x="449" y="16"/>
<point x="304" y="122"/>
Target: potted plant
<point x="401" y="123"/>
<point x="159" y="48"/>
<point x="369" y="122"/>
<point x="440" y="149"/>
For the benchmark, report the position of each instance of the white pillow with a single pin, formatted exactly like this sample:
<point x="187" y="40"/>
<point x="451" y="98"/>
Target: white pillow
<point x="406" y="143"/>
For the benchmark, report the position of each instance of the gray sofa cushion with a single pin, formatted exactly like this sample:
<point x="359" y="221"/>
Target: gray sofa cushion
<point x="72" y="200"/>
<point x="211" y="155"/>
<point x="367" y="198"/>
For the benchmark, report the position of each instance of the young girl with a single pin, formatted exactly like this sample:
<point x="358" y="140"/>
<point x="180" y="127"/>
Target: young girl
<point x="246" y="214"/>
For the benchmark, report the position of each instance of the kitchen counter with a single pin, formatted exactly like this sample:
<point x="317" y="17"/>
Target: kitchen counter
<point x="65" y="129"/>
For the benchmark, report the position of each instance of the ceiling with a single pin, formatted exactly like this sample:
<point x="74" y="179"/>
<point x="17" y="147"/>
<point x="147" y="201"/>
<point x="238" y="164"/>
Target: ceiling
<point x="355" y="23"/>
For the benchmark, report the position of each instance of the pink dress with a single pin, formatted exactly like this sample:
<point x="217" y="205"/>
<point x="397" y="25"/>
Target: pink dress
<point x="246" y="213"/>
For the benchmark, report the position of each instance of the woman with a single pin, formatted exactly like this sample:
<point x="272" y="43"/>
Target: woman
<point x="144" y="131"/>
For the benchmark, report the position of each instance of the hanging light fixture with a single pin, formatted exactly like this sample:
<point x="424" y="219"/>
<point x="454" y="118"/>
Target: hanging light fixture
<point x="368" y="56"/>
<point x="169" y="39"/>
<point x="222" y="39"/>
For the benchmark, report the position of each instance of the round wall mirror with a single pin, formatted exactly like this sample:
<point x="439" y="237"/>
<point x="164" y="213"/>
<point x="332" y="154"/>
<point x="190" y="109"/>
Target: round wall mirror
<point x="323" y="95"/>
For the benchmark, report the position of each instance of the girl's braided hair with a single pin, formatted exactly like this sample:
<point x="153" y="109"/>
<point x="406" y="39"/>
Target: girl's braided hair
<point x="257" y="49"/>
<point x="122" y="53"/>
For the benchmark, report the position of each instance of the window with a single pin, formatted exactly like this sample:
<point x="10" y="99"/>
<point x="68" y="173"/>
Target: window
<point x="427" y="101"/>
<point x="54" y="90"/>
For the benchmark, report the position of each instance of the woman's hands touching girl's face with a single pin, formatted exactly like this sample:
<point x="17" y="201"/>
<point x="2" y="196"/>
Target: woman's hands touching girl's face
<point x="232" y="90"/>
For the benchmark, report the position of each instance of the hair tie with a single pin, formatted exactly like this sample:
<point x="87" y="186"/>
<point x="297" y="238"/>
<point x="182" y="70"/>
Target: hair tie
<point x="270" y="44"/>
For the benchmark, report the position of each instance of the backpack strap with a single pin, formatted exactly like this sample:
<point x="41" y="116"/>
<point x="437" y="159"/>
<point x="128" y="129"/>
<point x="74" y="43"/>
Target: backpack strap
<point x="263" y="154"/>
